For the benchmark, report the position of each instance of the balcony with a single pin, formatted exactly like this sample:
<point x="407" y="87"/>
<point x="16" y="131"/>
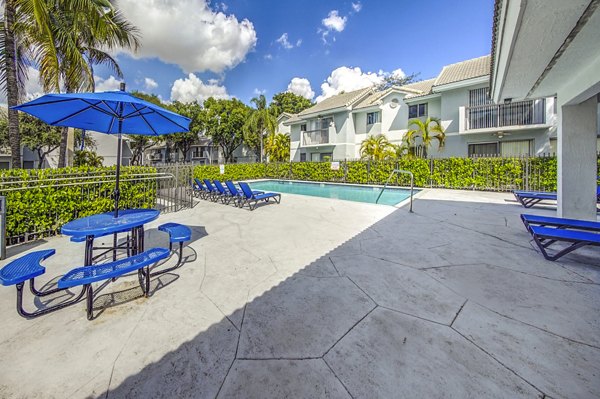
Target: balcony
<point x="315" y="137"/>
<point x="515" y="115"/>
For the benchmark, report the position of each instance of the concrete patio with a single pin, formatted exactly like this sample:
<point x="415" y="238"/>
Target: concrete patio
<point x="321" y="298"/>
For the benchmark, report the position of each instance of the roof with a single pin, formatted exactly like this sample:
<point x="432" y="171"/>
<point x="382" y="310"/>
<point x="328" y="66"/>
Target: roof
<point x="337" y="101"/>
<point x="284" y="115"/>
<point x="464" y="70"/>
<point x="423" y="86"/>
<point x="371" y="99"/>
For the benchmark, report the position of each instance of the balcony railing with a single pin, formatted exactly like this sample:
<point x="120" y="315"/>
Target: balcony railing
<point x="315" y="137"/>
<point x="521" y="113"/>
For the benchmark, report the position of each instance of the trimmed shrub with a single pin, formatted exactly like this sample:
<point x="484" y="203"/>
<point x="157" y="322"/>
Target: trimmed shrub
<point x="40" y="201"/>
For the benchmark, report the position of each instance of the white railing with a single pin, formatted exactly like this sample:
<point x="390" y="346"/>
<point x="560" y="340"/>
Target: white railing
<point x="315" y="137"/>
<point x="521" y="113"/>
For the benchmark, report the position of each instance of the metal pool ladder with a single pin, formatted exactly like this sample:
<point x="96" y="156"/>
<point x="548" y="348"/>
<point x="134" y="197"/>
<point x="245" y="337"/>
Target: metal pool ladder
<point x="412" y="181"/>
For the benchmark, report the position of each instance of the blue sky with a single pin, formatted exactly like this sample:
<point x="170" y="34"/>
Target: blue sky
<point x="239" y="48"/>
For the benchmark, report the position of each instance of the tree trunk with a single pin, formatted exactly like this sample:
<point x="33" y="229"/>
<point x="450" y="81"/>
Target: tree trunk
<point x="41" y="158"/>
<point x="62" y="153"/>
<point x="12" y="87"/>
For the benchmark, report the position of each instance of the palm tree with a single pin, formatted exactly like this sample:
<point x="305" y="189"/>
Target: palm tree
<point x="66" y="39"/>
<point x="259" y="122"/>
<point x="429" y="130"/>
<point x="376" y="148"/>
<point x="278" y="147"/>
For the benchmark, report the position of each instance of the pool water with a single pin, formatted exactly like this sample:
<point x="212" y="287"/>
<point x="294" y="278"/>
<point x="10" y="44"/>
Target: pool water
<point x="391" y="196"/>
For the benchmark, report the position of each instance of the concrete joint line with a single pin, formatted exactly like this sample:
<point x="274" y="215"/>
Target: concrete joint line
<point x="457" y="313"/>
<point x="338" y="378"/>
<point x="236" y="352"/>
<point x="350" y="329"/>
<point x="498" y="361"/>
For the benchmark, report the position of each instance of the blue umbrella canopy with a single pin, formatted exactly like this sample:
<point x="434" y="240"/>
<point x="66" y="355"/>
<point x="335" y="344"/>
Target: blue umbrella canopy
<point x="103" y="111"/>
<point x="111" y="112"/>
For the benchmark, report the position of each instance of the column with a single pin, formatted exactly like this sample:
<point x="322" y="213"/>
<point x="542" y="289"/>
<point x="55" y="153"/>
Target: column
<point x="577" y="160"/>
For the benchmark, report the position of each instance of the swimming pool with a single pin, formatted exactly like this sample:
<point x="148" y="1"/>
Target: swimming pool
<point x="391" y="196"/>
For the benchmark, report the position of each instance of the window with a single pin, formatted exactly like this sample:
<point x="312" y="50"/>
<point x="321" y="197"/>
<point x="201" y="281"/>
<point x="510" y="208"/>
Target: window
<point x="303" y="157"/>
<point x="483" y="149"/>
<point x="372" y="118"/>
<point x="479" y="97"/>
<point x="417" y="110"/>
<point x="516" y="148"/>
<point x="303" y="127"/>
<point x="326" y="156"/>
<point x="4" y="165"/>
<point x="27" y="164"/>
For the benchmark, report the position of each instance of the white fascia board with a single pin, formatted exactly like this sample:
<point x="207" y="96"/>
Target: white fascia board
<point x="462" y="83"/>
<point x="324" y="112"/>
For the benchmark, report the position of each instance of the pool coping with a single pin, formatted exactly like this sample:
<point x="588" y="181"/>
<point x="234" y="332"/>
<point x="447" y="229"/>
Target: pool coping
<point x="418" y="191"/>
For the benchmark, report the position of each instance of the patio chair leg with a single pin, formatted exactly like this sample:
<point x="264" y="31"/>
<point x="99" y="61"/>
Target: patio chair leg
<point x="89" y="301"/>
<point x="35" y="292"/>
<point x="23" y="313"/>
<point x="147" y="290"/>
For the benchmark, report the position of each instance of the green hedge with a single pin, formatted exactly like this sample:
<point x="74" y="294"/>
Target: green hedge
<point x="38" y="203"/>
<point x="498" y="174"/>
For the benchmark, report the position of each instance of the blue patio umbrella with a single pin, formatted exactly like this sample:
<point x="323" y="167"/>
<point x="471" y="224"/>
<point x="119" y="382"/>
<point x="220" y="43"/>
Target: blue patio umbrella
<point x="111" y="112"/>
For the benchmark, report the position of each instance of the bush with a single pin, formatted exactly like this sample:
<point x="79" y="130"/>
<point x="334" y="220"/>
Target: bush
<point x="39" y="202"/>
<point x="497" y="174"/>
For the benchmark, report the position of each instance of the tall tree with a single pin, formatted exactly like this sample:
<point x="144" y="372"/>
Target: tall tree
<point x="71" y="37"/>
<point x="277" y="147"/>
<point x="138" y="143"/>
<point x="225" y="120"/>
<point x="184" y="141"/>
<point x="421" y="134"/>
<point x="260" y="122"/>
<point x="396" y="80"/>
<point x="39" y="136"/>
<point x="288" y="102"/>
<point x="9" y="78"/>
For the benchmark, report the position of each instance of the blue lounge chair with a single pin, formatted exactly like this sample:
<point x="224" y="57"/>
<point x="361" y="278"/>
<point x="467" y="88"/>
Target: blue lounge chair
<point x="561" y="223"/>
<point x="531" y="198"/>
<point x="237" y="193"/>
<point x="213" y="193"/>
<point x="544" y="237"/>
<point x="197" y="189"/>
<point x="203" y="190"/>
<point x="224" y="193"/>
<point x="248" y="197"/>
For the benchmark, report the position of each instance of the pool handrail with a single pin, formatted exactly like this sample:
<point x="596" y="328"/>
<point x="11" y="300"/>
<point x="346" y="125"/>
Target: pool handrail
<point x="412" y="182"/>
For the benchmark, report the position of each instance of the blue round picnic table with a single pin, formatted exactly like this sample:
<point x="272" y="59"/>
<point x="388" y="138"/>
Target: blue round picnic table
<point x="103" y="224"/>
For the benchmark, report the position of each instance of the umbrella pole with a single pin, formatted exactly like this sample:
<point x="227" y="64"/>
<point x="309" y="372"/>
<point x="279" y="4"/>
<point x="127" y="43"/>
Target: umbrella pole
<point x="119" y="154"/>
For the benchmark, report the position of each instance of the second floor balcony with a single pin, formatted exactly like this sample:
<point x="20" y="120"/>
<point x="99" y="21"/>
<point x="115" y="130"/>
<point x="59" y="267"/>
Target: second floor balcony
<point x="315" y="137"/>
<point x="517" y="115"/>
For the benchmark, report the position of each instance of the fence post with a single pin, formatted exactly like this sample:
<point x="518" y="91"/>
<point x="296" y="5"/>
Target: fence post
<point x="2" y="228"/>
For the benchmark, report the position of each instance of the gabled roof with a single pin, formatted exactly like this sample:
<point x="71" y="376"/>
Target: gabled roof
<point x="337" y="101"/>
<point x="284" y="115"/>
<point x="464" y="70"/>
<point x="423" y="87"/>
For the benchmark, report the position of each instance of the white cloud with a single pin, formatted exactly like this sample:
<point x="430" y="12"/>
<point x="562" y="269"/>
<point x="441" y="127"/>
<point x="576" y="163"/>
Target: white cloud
<point x="109" y="84"/>
<point x="150" y="84"/>
<point x="348" y="79"/>
<point x="190" y="34"/>
<point x="283" y="40"/>
<point x="334" y="21"/>
<point x="33" y="88"/>
<point x="399" y="73"/>
<point x="357" y="6"/>
<point x="258" y="92"/>
<point x="301" y="87"/>
<point x="193" y="88"/>
<point x="298" y="42"/>
<point x="268" y="57"/>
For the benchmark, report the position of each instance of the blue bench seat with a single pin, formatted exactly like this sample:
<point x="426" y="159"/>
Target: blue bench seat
<point x="25" y="268"/>
<point x="90" y="274"/>
<point x="529" y="220"/>
<point x="177" y="232"/>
